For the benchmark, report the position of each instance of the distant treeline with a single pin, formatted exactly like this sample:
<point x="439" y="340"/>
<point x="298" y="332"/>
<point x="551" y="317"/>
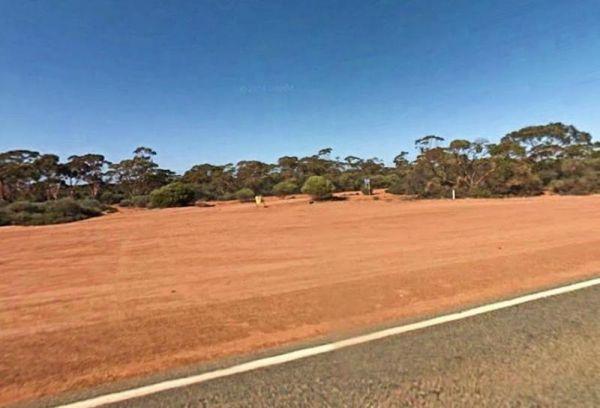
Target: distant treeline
<point x="555" y="157"/>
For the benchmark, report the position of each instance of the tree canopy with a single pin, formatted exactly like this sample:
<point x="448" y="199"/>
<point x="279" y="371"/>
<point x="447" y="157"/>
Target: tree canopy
<point x="553" y="157"/>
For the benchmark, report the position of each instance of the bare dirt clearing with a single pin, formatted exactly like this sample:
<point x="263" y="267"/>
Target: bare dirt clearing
<point x="141" y="291"/>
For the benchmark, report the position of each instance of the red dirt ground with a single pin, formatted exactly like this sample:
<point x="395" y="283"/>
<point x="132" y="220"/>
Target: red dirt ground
<point x="136" y="292"/>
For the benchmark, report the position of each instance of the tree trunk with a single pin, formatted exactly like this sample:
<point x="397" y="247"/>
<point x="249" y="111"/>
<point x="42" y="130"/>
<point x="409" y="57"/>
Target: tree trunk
<point x="94" y="189"/>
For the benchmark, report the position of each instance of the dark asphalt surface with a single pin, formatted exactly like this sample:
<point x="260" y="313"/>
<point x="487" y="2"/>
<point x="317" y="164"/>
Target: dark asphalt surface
<point x="545" y="353"/>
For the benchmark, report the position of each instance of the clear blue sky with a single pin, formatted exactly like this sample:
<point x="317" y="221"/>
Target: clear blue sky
<point x="225" y="80"/>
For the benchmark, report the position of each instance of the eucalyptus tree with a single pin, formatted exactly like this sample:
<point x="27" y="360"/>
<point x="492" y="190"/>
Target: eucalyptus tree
<point x="140" y="174"/>
<point x="89" y="169"/>
<point x="50" y="175"/>
<point x="17" y="173"/>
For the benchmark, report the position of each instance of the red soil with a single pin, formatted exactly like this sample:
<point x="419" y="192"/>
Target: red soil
<point x="136" y="292"/>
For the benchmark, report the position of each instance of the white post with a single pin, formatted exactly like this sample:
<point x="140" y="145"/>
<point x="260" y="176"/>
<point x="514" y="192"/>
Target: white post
<point x="453" y="194"/>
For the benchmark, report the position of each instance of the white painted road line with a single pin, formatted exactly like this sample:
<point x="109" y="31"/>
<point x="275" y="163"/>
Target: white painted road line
<point x="325" y="348"/>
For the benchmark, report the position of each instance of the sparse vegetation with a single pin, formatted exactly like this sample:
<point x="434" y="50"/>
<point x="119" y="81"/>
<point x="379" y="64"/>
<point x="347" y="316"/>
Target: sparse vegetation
<point x="398" y="187"/>
<point x="244" y="195"/>
<point x="366" y="190"/>
<point x="4" y="217"/>
<point x="111" y="197"/>
<point x="140" y="201"/>
<point x="175" y="194"/>
<point x="50" y="212"/>
<point x="318" y="187"/>
<point x="285" y="188"/>
<point x="555" y="157"/>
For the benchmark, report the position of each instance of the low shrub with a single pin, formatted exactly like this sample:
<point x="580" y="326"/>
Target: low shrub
<point x="205" y="192"/>
<point x="318" y="187"/>
<point x="285" y="188"/>
<point x="572" y="186"/>
<point x="91" y="203"/>
<point x="49" y="212"/>
<point x="387" y="181"/>
<point x="96" y="205"/>
<point x="140" y="201"/>
<point x="226" y="197"/>
<point x="176" y="194"/>
<point x="110" y="197"/>
<point x="25" y="207"/>
<point x="68" y="207"/>
<point x="397" y="187"/>
<point x="244" y="195"/>
<point x="26" y="218"/>
<point x="348" y="182"/>
<point x="477" y="192"/>
<point x="126" y="203"/>
<point x="4" y="217"/>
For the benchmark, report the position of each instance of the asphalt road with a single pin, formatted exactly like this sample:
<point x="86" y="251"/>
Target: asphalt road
<point x="544" y="353"/>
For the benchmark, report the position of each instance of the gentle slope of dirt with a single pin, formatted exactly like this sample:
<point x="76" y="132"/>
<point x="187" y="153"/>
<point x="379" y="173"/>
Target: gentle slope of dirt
<point x="140" y="291"/>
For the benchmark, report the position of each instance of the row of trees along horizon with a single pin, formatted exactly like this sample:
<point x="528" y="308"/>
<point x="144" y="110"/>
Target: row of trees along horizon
<point x="38" y="188"/>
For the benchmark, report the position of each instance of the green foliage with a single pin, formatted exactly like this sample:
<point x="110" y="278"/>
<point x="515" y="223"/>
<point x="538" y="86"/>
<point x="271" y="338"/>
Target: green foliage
<point x="176" y="194"/>
<point x="126" y="203"/>
<point x="88" y="168"/>
<point x="318" y="187"/>
<point x="244" y="195"/>
<point x="554" y="157"/>
<point x="575" y="186"/>
<point x="206" y="192"/>
<point x="25" y="207"/>
<point x="577" y="176"/>
<point x="4" y="217"/>
<point x="49" y="212"/>
<point x="139" y="175"/>
<point x="366" y="190"/>
<point x="513" y="177"/>
<point x="140" y="201"/>
<point x="95" y="205"/>
<point x="285" y="188"/>
<point x="255" y="175"/>
<point x="110" y="197"/>
<point x="349" y="181"/>
<point x="91" y="203"/>
<point x="67" y="207"/>
<point x="382" y="181"/>
<point x="227" y="197"/>
<point x="398" y="187"/>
